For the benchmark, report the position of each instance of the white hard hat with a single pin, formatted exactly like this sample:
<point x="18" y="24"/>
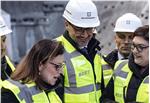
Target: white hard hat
<point x="3" y="27"/>
<point x="82" y="13"/>
<point x="127" y="23"/>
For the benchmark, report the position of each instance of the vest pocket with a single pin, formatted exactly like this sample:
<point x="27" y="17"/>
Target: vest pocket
<point x="143" y="94"/>
<point x="43" y="98"/>
<point x="76" y="98"/>
<point x="119" y="91"/>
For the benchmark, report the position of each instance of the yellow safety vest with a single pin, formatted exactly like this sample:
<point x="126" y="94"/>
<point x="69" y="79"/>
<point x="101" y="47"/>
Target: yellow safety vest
<point x="11" y="66"/>
<point x="122" y="76"/>
<point x="9" y="63"/>
<point x="107" y="72"/>
<point x="143" y="91"/>
<point x="29" y="93"/>
<point x="79" y="83"/>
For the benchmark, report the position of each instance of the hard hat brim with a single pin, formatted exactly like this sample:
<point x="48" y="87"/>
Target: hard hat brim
<point x="82" y="24"/>
<point x="5" y="31"/>
<point x="123" y="30"/>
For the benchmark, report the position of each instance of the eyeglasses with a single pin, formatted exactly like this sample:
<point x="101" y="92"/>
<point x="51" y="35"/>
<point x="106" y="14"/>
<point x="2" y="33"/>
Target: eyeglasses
<point x="139" y="47"/>
<point x="80" y="30"/>
<point x="58" y="67"/>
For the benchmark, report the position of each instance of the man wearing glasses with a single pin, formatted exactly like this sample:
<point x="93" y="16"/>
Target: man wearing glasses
<point x="82" y="73"/>
<point x="124" y="29"/>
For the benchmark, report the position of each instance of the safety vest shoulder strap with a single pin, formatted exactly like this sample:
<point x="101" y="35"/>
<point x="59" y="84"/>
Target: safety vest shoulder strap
<point x="68" y="47"/>
<point x="23" y="93"/>
<point x="122" y="72"/>
<point x="13" y="88"/>
<point x="105" y="65"/>
<point x="120" y="64"/>
<point x="118" y="70"/>
<point x="10" y="63"/>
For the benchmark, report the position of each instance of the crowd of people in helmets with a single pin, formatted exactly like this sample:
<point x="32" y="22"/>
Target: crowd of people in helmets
<point x="71" y="69"/>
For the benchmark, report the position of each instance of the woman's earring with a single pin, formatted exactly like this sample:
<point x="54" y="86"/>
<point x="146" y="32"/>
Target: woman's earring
<point x="39" y="73"/>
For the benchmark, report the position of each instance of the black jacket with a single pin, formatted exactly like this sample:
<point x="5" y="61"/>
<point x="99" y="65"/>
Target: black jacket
<point x="133" y="86"/>
<point x="111" y="58"/>
<point x="8" y="97"/>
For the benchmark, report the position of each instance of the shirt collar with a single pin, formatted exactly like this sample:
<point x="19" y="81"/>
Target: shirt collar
<point x="120" y="57"/>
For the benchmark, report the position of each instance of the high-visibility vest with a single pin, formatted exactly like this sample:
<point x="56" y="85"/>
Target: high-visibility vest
<point x="143" y="91"/>
<point x="79" y="83"/>
<point x="29" y="93"/>
<point x="122" y="76"/>
<point x="107" y="72"/>
<point x="9" y="63"/>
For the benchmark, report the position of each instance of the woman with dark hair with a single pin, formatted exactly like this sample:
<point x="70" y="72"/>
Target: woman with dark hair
<point x="36" y="76"/>
<point x="131" y="77"/>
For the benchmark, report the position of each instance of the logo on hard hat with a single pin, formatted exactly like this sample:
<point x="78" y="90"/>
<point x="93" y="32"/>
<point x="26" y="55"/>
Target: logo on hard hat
<point x="88" y="14"/>
<point x="128" y="22"/>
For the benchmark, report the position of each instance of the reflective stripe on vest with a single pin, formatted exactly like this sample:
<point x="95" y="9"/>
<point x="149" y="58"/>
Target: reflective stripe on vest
<point x="107" y="72"/>
<point x="10" y="64"/>
<point x="146" y="80"/>
<point x="80" y="90"/>
<point x="25" y="92"/>
<point x="29" y="93"/>
<point x="120" y="85"/>
<point x="119" y="71"/>
<point x="70" y="69"/>
<point x="106" y="67"/>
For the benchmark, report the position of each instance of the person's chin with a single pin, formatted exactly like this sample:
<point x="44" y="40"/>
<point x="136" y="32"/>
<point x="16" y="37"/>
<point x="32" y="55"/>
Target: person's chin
<point x="125" y="52"/>
<point x="82" y="44"/>
<point x="52" y="83"/>
<point x="137" y="61"/>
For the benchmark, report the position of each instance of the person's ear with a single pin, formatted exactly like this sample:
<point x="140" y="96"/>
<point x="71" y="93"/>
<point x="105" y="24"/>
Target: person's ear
<point x="115" y="38"/>
<point x="66" y="24"/>
<point x="41" y="67"/>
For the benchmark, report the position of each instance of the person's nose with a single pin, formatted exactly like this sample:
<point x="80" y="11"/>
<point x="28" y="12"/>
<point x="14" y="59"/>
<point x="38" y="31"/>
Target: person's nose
<point x="127" y="40"/>
<point x="85" y="34"/>
<point x="135" y="51"/>
<point x="61" y="71"/>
